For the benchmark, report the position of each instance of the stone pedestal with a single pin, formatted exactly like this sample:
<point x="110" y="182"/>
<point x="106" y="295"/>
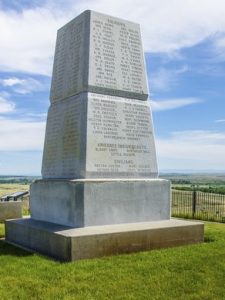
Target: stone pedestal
<point x="80" y="203"/>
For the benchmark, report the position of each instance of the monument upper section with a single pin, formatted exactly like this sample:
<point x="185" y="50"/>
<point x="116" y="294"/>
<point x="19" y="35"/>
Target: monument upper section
<point x="101" y="54"/>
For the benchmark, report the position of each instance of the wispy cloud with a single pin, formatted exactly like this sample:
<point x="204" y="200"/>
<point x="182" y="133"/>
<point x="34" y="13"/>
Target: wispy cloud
<point x="198" y="148"/>
<point x="18" y="135"/>
<point x="165" y="79"/>
<point x="199" y="136"/>
<point x="169" y="104"/>
<point x="11" y="81"/>
<point x="35" y="116"/>
<point x="24" y="85"/>
<point x="6" y="106"/>
<point x="220" y="121"/>
<point x="218" y="47"/>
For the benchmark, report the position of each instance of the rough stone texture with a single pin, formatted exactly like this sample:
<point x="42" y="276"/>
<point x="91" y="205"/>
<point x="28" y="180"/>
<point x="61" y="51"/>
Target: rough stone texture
<point x="101" y="54"/>
<point x="80" y="203"/>
<point x="69" y="244"/>
<point x="10" y="210"/>
<point x="99" y="136"/>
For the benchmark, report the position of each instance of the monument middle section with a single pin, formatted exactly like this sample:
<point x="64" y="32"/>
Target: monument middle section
<point x="99" y="136"/>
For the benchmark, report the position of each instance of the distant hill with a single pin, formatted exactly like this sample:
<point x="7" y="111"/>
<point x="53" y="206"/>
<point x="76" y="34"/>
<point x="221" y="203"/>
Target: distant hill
<point x="18" y="179"/>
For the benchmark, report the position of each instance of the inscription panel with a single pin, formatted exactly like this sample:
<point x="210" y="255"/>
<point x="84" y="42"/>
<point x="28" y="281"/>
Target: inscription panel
<point x="116" y="58"/>
<point x="120" y="140"/>
<point x="70" y="68"/>
<point x="64" y="150"/>
<point x="101" y="54"/>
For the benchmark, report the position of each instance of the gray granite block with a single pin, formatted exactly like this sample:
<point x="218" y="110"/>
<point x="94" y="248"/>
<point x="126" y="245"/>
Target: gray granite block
<point x="99" y="136"/>
<point x="80" y="203"/>
<point x="101" y="54"/>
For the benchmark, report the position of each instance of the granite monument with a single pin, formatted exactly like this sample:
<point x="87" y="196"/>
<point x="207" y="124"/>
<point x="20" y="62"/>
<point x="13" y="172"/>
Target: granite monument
<point x="99" y="193"/>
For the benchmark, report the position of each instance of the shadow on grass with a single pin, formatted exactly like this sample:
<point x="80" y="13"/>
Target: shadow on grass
<point x="8" y="249"/>
<point x="209" y="239"/>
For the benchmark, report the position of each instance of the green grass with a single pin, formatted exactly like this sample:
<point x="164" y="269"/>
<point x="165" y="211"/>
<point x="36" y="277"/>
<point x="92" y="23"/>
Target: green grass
<point x="2" y="230"/>
<point x="190" y="272"/>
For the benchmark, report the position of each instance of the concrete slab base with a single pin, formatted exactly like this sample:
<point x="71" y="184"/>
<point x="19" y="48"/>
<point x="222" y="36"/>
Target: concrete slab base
<point x="68" y="244"/>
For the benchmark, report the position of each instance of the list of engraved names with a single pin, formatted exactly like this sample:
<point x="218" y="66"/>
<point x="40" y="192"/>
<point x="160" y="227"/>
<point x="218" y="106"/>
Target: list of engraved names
<point x="117" y="58"/>
<point x="119" y="135"/>
<point x="62" y="145"/>
<point x="69" y="58"/>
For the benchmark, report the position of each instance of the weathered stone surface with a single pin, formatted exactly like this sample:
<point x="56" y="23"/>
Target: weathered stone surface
<point x="10" y="210"/>
<point x="80" y="203"/>
<point x="99" y="136"/>
<point x="69" y="244"/>
<point x="71" y="61"/>
<point x="65" y="139"/>
<point x="100" y="54"/>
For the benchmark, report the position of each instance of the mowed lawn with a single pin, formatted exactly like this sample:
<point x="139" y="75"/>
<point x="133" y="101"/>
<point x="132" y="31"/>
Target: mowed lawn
<point x="190" y="272"/>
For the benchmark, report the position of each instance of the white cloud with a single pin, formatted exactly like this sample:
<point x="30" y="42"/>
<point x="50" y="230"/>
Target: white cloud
<point x="35" y="116"/>
<point x="169" y="104"/>
<point x="27" y="38"/>
<point x="197" y="149"/>
<point x="220" y="121"/>
<point x="218" y="48"/>
<point x="23" y="86"/>
<point x="6" y="106"/>
<point x="199" y="136"/>
<point x="220" y="42"/>
<point x="11" y="81"/>
<point x="20" y="135"/>
<point x="165" y="79"/>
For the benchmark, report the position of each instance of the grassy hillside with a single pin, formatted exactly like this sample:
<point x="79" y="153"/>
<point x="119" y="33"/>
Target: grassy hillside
<point x="9" y="188"/>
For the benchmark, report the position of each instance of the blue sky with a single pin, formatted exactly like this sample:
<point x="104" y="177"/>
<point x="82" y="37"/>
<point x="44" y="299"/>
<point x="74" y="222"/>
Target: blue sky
<point x="184" y="45"/>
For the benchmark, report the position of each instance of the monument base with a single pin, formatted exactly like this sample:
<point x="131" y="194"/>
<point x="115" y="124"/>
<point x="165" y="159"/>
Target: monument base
<point x="93" y="202"/>
<point x="69" y="244"/>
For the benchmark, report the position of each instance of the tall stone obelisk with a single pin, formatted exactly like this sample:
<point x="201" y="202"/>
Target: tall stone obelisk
<point x="99" y="164"/>
<point x="99" y="123"/>
<point x="99" y="127"/>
